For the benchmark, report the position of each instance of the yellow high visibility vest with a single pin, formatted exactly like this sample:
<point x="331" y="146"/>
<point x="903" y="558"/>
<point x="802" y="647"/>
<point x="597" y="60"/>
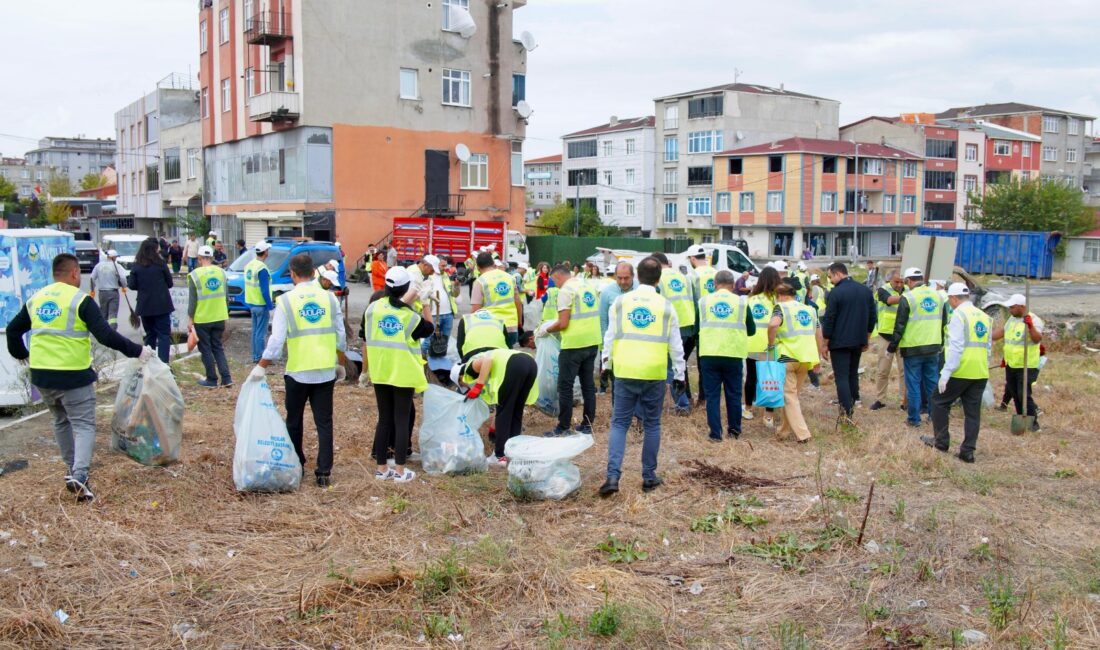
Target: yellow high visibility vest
<point x="550" y="309"/>
<point x="496" y="378"/>
<point x="975" y="357"/>
<point x="253" y="294"/>
<point x="761" y="307"/>
<point x="1015" y="331"/>
<point x="393" y="356"/>
<point x="797" y="336"/>
<point x="706" y="281"/>
<point x="59" y="337"/>
<point x="530" y="282"/>
<point x="498" y="295"/>
<point x="311" y="328"/>
<point x="482" y="330"/>
<point x="925" y="325"/>
<point x="674" y="287"/>
<point x="722" y="325"/>
<point x="640" y="347"/>
<point x="887" y="314"/>
<point x="209" y="284"/>
<point x="584" y="317"/>
<point x="448" y="288"/>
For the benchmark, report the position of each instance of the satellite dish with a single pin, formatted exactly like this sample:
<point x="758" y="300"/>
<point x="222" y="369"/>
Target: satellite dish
<point x="524" y="109"/>
<point x="461" y="21"/>
<point x="740" y="136"/>
<point x="528" y="41"/>
<point x="462" y="152"/>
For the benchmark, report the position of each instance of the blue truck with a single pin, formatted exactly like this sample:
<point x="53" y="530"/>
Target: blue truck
<point x="278" y="264"/>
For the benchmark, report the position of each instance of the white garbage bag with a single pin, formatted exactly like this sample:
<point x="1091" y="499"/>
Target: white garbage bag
<point x="540" y="468"/>
<point x="449" y="438"/>
<point x="264" y="459"/>
<point x="547" y="350"/>
<point x="987" y="395"/>
<point x="148" y="420"/>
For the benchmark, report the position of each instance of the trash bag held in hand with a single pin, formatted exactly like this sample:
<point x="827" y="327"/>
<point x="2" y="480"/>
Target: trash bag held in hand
<point x="540" y="468"/>
<point x="547" y="350"/>
<point x="449" y="438"/>
<point x="987" y="396"/>
<point x="264" y="459"/>
<point x="148" y="421"/>
<point x="770" y="376"/>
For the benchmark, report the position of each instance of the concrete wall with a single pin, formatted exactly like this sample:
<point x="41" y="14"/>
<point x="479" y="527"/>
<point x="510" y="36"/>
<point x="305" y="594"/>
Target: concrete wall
<point x="550" y="189"/>
<point x="1075" y="260"/>
<point x="973" y="168"/>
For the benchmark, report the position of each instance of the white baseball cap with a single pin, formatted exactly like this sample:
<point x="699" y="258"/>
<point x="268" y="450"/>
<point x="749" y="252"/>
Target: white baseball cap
<point x="913" y="272"/>
<point x="262" y="246"/>
<point x="456" y="372"/>
<point x="213" y="234"/>
<point x="695" y="251"/>
<point x="112" y="253"/>
<point x="523" y="265"/>
<point x="958" y="289"/>
<point x="941" y="283"/>
<point x="1016" y="300"/>
<point x="397" y="276"/>
<point x="801" y="266"/>
<point x="331" y="276"/>
<point x="432" y="261"/>
<point x="779" y="265"/>
<point x="498" y="262"/>
<point x="814" y="276"/>
<point x="206" y="251"/>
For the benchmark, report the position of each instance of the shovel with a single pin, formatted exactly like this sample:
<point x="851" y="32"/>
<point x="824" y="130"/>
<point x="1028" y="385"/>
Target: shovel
<point x="1021" y="424"/>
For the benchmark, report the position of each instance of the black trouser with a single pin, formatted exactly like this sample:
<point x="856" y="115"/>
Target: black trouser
<point x="319" y="397"/>
<point x="519" y="376"/>
<point x="969" y="391"/>
<point x="571" y="364"/>
<point x="846" y="370"/>
<point x="750" y="382"/>
<point x="689" y="347"/>
<point x="212" y="351"/>
<point x="396" y="416"/>
<point x="1013" y="376"/>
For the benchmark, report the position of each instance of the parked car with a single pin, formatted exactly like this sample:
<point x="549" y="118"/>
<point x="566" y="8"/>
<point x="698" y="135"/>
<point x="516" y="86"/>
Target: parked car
<point x="88" y="254"/>
<point x="278" y="264"/>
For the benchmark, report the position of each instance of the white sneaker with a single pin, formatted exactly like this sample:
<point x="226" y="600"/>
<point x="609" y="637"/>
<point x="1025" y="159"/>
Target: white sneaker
<point x="385" y="476"/>
<point x="746" y="413"/>
<point x="404" y="478"/>
<point x="769" y="421"/>
<point x="501" y="462"/>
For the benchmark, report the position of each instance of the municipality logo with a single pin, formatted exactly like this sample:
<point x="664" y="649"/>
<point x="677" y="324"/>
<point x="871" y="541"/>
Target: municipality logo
<point x="213" y="284"/>
<point x="641" y="317"/>
<point x="803" y="318"/>
<point x="722" y="310"/>
<point x="710" y="285"/>
<point x="980" y="330"/>
<point x="48" y="312"/>
<point x="759" y="311"/>
<point x="928" y="304"/>
<point x="483" y="315"/>
<point x="312" y="312"/>
<point x="276" y="454"/>
<point x="32" y="252"/>
<point x="676" y="285"/>
<point x="390" y="325"/>
<point x="501" y="288"/>
<point x="589" y="299"/>
<point x="248" y="275"/>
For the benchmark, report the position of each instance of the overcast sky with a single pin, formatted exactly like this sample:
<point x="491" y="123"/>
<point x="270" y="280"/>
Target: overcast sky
<point x="70" y="64"/>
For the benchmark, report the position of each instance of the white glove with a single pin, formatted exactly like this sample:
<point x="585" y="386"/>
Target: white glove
<point x="146" y="354"/>
<point x="341" y="373"/>
<point x="943" y="383"/>
<point x="258" y="373"/>
<point x="544" y="330"/>
<point x="605" y="362"/>
<point x="364" y="380"/>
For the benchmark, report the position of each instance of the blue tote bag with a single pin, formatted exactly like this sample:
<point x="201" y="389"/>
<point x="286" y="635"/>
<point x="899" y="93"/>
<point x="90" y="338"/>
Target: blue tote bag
<point x="770" y="376"/>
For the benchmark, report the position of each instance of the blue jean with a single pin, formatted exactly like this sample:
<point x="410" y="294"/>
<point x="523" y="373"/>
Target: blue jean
<point x="260" y="316"/>
<point x="632" y="395"/>
<point x="684" y="401"/>
<point x="443" y="323"/>
<point x="158" y="334"/>
<point x="721" y="375"/>
<point x="921" y="377"/>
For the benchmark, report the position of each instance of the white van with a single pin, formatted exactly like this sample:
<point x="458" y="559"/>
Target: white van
<point x="126" y="246"/>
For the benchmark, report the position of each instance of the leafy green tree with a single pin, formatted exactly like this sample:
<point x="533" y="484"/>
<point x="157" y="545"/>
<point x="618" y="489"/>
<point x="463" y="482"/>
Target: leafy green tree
<point x="562" y="220"/>
<point x="57" y="213"/>
<point x="59" y="185"/>
<point x="193" y="223"/>
<point x="1035" y="205"/>
<point x="92" y="180"/>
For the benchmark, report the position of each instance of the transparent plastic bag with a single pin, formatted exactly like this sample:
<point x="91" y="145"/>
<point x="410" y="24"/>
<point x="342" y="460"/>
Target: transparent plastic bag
<point x="987" y="395"/>
<point x="547" y="350"/>
<point x="449" y="438"/>
<point x="541" y="468"/>
<point x="148" y="420"/>
<point x="264" y="459"/>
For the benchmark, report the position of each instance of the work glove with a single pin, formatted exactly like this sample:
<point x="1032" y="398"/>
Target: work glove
<point x="122" y="289"/>
<point x="544" y="330"/>
<point x="679" y="386"/>
<point x="943" y="383"/>
<point x="91" y="293"/>
<point x="892" y="348"/>
<point x="341" y="373"/>
<point x="146" y="354"/>
<point x="258" y="373"/>
<point x="364" y="380"/>
<point x="474" y="392"/>
<point x="1028" y="321"/>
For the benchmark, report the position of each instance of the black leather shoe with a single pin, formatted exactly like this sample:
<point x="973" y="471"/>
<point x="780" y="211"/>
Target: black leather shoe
<point x="966" y="458"/>
<point x="324" y="481"/>
<point x="609" y="487"/>
<point x="714" y="438"/>
<point x="931" y="442"/>
<point x="651" y="484"/>
<point x="877" y="405"/>
<point x="733" y="435"/>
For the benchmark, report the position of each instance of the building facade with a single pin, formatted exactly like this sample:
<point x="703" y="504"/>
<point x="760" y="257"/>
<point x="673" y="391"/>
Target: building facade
<point x="692" y="127"/>
<point x="24" y="175"/>
<point x="798" y="197"/>
<point x="544" y="189"/>
<point x="611" y="168"/>
<point x="73" y="157"/>
<point x="1092" y="172"/>
<point x="328" y="118"/>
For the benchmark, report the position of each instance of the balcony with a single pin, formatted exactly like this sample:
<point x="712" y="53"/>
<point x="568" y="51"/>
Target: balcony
<point x="274" y="107"/>
<point x="267" y="28"/>
<point x="445" y="205"/>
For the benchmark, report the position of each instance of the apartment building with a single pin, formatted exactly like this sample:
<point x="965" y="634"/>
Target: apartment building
<point x="543" y="179"/>
<point x="611" y="168"/>
<point x="24" y="175"/>
<point x="1064" y="135"/>
<point x="693" y="126"/>
<point x="328" y="118"/>
<point x="159" y="159"/>
<point x="801" y="194"/>
<point x="73" y="157"/>
<point x="1092" y="172"/>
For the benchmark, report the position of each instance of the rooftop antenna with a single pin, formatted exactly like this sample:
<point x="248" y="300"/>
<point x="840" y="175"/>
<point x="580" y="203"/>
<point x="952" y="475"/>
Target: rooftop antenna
<point x="737" y="74"/>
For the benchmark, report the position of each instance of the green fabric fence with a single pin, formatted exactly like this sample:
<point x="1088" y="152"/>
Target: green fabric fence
<point x="575" y="249"/>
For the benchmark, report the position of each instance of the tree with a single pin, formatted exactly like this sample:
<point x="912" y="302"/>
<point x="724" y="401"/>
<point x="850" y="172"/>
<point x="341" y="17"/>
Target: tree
<point x="1036" y="205"/>
<point x="59" y="185"/>
<point x="562" y="220"/>
<point x="92" y="180"/>
<point x="193" y="223"/>
<point x="57" y="212"/>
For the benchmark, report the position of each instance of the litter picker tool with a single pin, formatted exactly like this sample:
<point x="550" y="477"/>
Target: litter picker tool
<point x="1022" y="423"/>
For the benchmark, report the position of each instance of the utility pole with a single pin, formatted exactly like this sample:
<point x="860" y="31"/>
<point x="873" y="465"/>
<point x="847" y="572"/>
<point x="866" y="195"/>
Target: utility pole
<point x="577" y="211"/>
<point x="855" y="217"/>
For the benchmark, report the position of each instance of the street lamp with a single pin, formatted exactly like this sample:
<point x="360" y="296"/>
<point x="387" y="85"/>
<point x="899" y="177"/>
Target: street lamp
<point x="855" y="212"/>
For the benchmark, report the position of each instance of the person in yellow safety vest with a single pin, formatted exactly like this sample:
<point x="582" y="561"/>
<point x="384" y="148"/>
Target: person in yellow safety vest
<point x="257" y="295"/>
<point x="964" y="375"/>
<point x="550" y="301"/>
<point x="391" y="331"/>
<point x="309" y="321"/>
<point x="702" y="273"/>
<point x="495" y="290"/>
<point x="799" y="272"/>
<point x="1020" y="324"/>
<point x="61" y="321"/>
<point x="918" y="333"/>
<point x="887" y="298"/>
<point x="761" y="303"/>
<point x="506" y="379"/>
<point x="816" y="294"/>
<point x="643" y="335"/>
<point x="578" y="321"/>
<point x="676" y="288"/>
<point x="435" y="300"/>
<point x="478" y="332"/>
<point x="725" y="325"/>
<point x="530" y="282"/>
<point x="471" y="272"/>
<point x="208" y="310"/>
<point x="795" y="334"/>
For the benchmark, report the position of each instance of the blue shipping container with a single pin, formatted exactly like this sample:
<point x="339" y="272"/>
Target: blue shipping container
<point x="1010" y="253"/>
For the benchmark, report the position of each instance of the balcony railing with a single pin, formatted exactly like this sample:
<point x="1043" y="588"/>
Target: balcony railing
<point x="267" y="27"/>
<point x="445" y="205"/>
<point x="274" y="107"/>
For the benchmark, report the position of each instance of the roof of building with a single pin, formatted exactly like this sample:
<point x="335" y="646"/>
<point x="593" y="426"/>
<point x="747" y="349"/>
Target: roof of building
<point x="624" y="124"/>
<point x="745" y="88"/>
<point x="13" y="161"/>
<point x="824" y="147"/>
<point x="992" y="130"/>
<point x="1004" y="108"/>
<point x="556" y="158"/>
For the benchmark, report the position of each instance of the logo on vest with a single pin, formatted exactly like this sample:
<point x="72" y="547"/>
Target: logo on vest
<point x="248" y="275"/>
<point x="980" y="330"/>
<point x="803" y="318"/>
<point x="213" y="284"/>
<point x="721" y="310"/>
<point x="483" y="315"/>
<point x="759" y="312"/>
<point x="48" y="312"/>
<point x="709" y="285"/>
<point x="312" y="312"/>
<point x="928" y="304"/>
<point x="641" y="317"/>
<point x="390" y="325"/>
<point x="589" y="299"/>
<point x="501" y="288"/>
<point x="676" y="285"/>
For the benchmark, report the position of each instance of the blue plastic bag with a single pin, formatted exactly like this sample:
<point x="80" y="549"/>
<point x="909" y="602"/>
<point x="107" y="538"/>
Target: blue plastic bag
<point x="770" y="377"/>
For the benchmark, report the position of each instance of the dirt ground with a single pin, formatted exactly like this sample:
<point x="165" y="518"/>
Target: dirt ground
<point x="174" y="557"/>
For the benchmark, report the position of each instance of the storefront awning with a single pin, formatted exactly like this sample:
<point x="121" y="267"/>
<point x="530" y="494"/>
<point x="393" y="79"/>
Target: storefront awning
<point x="180" y="201"/>
<point x="270" y="215"/>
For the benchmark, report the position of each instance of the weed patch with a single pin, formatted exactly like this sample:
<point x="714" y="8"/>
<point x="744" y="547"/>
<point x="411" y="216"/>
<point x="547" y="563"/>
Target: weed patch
<point x="619" y="552"/>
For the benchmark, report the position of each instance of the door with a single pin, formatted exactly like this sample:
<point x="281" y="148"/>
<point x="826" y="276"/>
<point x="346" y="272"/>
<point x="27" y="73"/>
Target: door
<point x="437" y="180"/>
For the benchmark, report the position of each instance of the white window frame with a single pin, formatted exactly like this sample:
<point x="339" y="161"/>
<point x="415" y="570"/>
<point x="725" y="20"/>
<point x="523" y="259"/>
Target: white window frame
<point x="1071" y="155"/>
<point x="1025" y="149"/>
<point x="672" y="116"/>
<point x="608" y="177"/>
<point x="457" y="81"/>
<point x="723" y="202"/>
<point x="631" y="209"/>
<point x="1091" y="252"/>
<point x="871" y="166"/>
<point x="909" y="169"/>
<point x="1050" y="124"/>
<point x="249" y="82"/>
<point x="608" y="148"/>
<point x="631" y="146"/>
<point x="205" y="103"/>
<point x="631" y="177"/>
<point x="1073" y="126"/>
<point x="1050" y="154"/>
<point x="909" y="204"/>
<point x="223" y="26"/>
<point x="971" y="152"/>
<point x="889" y="203"/>
<point x="828" y="201"/>
<point x="192" y="163"/>
<point x="465" y="4"/>
<point x="227" y="95"/>
<point x="775" y="201"/>
<point x="671" y="213"/>
<point x="1002" y="148"/>
<point x="517" y="163"/>
<point x="474" y="173"/>
<point x="746" y="202"/>
<point x="204" y="37"/>
<point x="672" y="154"/>
<point x="608" y="207"/>
<point x="704" y="141"/>
<point x="672" y="181"/>
<point x="970" y="183"/>
<point x="699" y="206"/>
<point x="408" y="74"/>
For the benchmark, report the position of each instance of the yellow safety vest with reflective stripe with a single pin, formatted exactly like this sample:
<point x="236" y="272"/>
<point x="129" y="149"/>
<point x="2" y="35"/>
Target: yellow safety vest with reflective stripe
<point x="482" y="330"/>
<point x="640" y="347"/>
<point x="1015" y="331"/>
<point x="59" y="337"/>
<point x="253" y="293"/>
<point x="887" y="314"/>
<point x="530" y="282"/>
<point x="209" y="284"/>
<point x="448" y="288"/>
<point x="498" y="295"/>
<point x="584" y="316"/>
<point x="496" y="378"/>
<point x="311" y="328"/>
<point x="706" y="281"/>
<point x="674" y="287"/>
<point x="974" y="363"/>
<point x="797" y="336"/>
<point x="393" y="356"/>
<point x="550" y="309"/>
<point x="925" y="324"/>
<point x="722" y="325"/>
<point x="761" y="307"/>
<point x="817" y="295"/>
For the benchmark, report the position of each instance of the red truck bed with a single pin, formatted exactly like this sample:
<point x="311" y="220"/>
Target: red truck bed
<point x="414" y="237"/>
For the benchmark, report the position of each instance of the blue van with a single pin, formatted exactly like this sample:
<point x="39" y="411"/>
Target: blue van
<point x="278" y="263"/>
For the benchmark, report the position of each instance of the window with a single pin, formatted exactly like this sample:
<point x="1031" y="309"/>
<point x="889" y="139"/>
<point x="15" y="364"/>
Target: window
<point x="631" y="209"/>
<point x="939" y="148"/>
<point x="630" y="177"/>
<point x="1050" y="154"/>
<point x="1026" y="150"/>
<point x="519" y="89"/>
<point x="672" y="116"/>
<point x="672" y="181"/>
<point x="192" y="163"/>
<point x="672" y="149"/>
<point x="152" y="177"/>
<point x="871" y="166"/>
<point x="1050" y="124"/>
<point x="171" y="164"/>
<point x="909" y="169"/>
<point x="631" y="145"/>
<point x="705" y="107"/>
<point x="1002" y="148"/>
<point x="25" y="190"/>
<point x="699" y="176"/>
<point x="670" y="212"/>
<point x="582" y="177"/>
<point x="226" y="97"/>
<point x="723" y="202"/>
<point x="608" y="208"/>
<point x="410" y="86"/>
<point x="582" y="149"/>
<point x="247" y="14"/>
<point x="608" y="148"/>
<point x="1071" y="155"/>
<point x="249" y="82"/>
<point x="205" y="103"/>
<point x="828" y="165"/>
<point x="747" y="202"/>
<point x="1073" y="127"/>
<point x="517" y="163"/>
<point x="970" y="183"/>
<point x="828" y="201"/>
<point x="608" y="177"/>
<point x="699" y="206"/>
<point x="204" y="37"/>
<point x="909" y="204"/>
<point x="475" y="172"/>
<point x="39" y="175"/>
<point x="456" y="87"/>
<point x="1025" y="175"/>
<point x="447" y="4"/>
<point x="888" y="205"/>
<point x="775" y="201"/>
<point x="1092" y="252"/>
<point x="737" y="166"/>
<point x="775" y="164"/>
<point x="971" y="153"/>
<point x="939" y="180"/>
<point x="939" y="212"/>
<point x="223" y="26"/>
<point x="117" y="223"/>
<point x="704" y="141"/>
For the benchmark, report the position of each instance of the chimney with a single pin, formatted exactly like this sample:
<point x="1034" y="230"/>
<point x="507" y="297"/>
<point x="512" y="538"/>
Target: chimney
<point x="614" y="121"/>
<point x="781" y="86"/>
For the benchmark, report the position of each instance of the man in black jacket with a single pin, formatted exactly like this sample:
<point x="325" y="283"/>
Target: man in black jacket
<point x="60" y="318"/>
<point x="846" y="326"/>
